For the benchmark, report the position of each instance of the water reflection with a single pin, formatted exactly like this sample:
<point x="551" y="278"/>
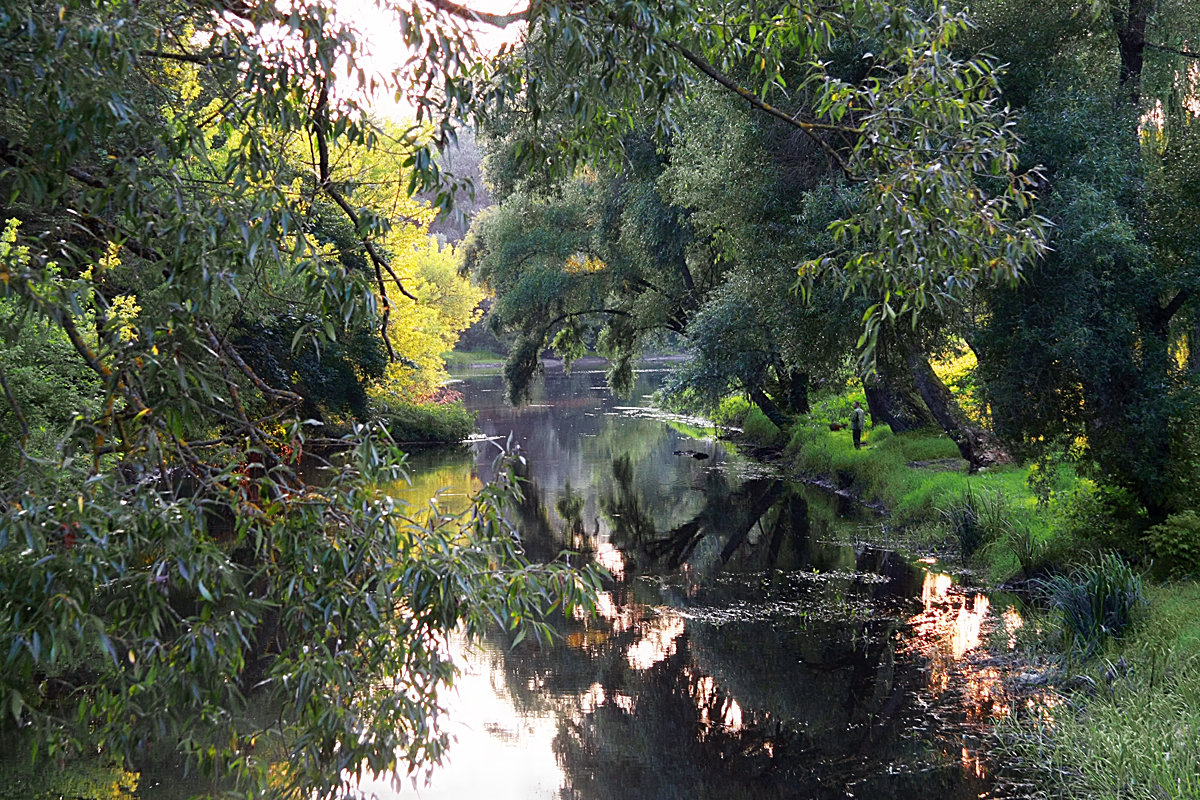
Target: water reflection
<point x="748" y="645"/>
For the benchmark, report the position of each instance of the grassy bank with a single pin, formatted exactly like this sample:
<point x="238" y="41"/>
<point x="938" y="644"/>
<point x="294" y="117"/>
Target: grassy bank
<point x="1129" y="727"/>
<point x="1009" y="521"/>
<point x="431" y="423"/>
<point x="1116" y="653"/>
<point x="473" y="361"/>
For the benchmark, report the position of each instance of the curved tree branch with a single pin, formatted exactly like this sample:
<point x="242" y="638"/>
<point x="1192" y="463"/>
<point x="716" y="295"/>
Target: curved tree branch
<point x="320" y="133"/>
<point x="474" y="15"/>
<point x="809" y="128"/>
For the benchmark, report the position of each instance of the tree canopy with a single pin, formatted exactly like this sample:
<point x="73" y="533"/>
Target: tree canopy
<point x="211" y="254"/>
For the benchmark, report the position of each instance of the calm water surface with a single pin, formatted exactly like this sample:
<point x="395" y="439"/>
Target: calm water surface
<point x="752" y="643"/>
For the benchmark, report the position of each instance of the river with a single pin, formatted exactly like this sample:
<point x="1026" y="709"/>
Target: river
<point x="758" y="639"/>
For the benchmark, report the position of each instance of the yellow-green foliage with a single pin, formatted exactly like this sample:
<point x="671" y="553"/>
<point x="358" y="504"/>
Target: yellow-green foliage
<point x="421" y="331"/>
<point x="89" y="775"/>
<point x="957" y="370"/>
<point x="731" y="411"/>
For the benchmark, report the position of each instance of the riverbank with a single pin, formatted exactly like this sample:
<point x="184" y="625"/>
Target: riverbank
<point x="1098" y="637"/>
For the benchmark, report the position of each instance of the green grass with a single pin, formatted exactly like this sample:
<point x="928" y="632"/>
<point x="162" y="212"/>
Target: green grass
<point x="461" y="360"/>
<point x="1135" y="734"/>
<point x="758" y="428"/>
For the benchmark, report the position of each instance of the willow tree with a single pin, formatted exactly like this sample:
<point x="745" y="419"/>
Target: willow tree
<point x="1090" y="350"/>
<point x="164" y="561"/>
<point x="908" y="134"/>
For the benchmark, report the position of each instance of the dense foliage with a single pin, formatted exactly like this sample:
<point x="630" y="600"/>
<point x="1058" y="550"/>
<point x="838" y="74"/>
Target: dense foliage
<point x="821" y="194"/>
<point x="211" y="261"/>
<point x="215" y="257"/>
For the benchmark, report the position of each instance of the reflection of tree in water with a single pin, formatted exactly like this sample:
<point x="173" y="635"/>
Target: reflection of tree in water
<point x="625" y="509"/>
<point x="738" y="711"/>
<point x="675" y="730"/>
<point x="666" y="737"/>
<point x="759" y="703"/>
<point x="727" y="512"/>
<point x="569" y="506"/>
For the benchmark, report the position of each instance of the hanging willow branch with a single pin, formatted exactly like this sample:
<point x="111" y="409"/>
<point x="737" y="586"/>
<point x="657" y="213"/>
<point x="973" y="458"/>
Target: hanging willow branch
<point x="325" y="182"/>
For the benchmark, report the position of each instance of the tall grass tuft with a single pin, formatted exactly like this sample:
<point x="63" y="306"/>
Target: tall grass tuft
<point x="1096" y="602"/>
<point x="1135" y="737"/>
<point x="962" y="516"/>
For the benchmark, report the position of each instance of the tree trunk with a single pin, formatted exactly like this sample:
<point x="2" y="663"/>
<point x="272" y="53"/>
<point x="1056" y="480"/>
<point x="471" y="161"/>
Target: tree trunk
<point x="1131" y="42"/>
<point x="796" y="388"/>
<point x="891" y="395"/>
<point x="769" y="408"/>
<point x="979" y="447"/>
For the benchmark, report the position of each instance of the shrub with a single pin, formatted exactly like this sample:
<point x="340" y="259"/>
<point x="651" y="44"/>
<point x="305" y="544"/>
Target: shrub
<point x="1095" y="602"/>
<point x="432" y="423"/>
<point x="1107" y="516"/>
<point x="758" y="428"/>
<point x="1175" y="545"/>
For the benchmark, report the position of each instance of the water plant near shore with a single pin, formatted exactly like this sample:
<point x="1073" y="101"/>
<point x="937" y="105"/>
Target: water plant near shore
<point x="1095" y="602"/>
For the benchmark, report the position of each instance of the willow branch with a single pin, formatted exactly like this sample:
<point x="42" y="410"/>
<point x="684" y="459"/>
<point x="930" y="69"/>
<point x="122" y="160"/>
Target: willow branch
<point x="809" y="128"/>
<point x="1175" y="51"/>
<point x="320" y="125"/>
<point x="474" y="15"/>
<point x="190" y="58"/>
<point x="221" y="348"/>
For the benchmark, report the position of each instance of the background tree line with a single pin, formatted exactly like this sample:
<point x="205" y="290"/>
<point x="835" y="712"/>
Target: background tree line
<point x="1080" y="314"/>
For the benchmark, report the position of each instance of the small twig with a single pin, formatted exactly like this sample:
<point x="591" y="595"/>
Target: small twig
<point x="1176" y="51"/>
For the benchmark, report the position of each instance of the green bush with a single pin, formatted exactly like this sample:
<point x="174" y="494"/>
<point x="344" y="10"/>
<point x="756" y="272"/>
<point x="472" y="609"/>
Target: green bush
<point x="758" y="428"/>
<point x="1096" y="602"/>
<point x="1175" y="545"/>
<point x="1108" y="517"/>
<point x="427" y="423"/>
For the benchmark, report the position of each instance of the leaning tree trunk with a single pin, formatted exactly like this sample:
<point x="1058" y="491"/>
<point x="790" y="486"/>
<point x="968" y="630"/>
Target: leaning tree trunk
<point x="980" y="447"/>
<point x="772" y="411"/>
<point x="891" y="394"/>
<point x="797" y="391"/>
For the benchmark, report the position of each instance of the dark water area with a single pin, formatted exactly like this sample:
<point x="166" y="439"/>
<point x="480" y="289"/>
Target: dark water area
<point x="758" y="638"/>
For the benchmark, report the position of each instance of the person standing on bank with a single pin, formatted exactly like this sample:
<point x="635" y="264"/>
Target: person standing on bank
<point x="858" y="419"/>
